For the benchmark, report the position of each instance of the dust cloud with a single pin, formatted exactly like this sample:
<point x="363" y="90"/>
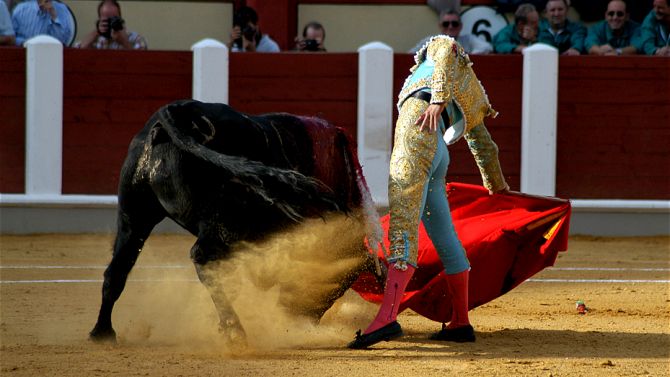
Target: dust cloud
<point x="274" y="286"/>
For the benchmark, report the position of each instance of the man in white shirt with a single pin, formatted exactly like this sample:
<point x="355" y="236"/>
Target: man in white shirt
<point x="450" y="24"/>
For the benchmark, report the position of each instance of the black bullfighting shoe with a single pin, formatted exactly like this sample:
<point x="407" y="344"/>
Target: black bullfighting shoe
<point x="386" y="333"/>
<point x="461" y="334"/>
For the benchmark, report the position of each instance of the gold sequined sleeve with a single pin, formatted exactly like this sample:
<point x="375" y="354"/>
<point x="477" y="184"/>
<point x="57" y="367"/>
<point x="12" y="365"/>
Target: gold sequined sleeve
<point x="485" y="152"/>
<point x="440" y="50"/>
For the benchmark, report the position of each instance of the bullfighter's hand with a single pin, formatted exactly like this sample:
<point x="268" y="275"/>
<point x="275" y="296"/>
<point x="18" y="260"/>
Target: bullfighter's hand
<point x="235" y="33"/>
<point x="48" y="7"/>
<point x="121" y="37"/>
<point x="431" y="117"/>
<point x="502" y="190"/>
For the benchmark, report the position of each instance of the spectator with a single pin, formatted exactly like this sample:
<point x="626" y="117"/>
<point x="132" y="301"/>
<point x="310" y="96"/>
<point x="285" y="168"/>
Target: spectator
<point x="614" y="35"/>
<point x="36" y="17"/>
<point x="313" y="38"/>
<point x="512" y="39"/>
<point x="451" y="25"/>
<point x="110" y="31"/>
<point x="567" y="36"/>
<point x="246" y="34"/>
<point x="654" y="38"/>
<point x="6" y="29"/>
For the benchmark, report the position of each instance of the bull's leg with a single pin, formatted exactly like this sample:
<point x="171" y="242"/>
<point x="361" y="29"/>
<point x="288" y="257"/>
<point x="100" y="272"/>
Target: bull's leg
<point x="130" y="238"/>
<point x="315" y="309"/>
<point x="208" y="248"/>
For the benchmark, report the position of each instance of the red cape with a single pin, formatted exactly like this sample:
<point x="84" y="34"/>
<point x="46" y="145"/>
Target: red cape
<point x="508" y="238"/>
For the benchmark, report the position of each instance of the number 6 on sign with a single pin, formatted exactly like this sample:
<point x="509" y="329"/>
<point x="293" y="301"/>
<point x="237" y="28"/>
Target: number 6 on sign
<point x="483" y="22"/>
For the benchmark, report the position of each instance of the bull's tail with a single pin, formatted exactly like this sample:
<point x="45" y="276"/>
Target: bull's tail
<point x="287" y="190"/>
<point x="374" y="231"/>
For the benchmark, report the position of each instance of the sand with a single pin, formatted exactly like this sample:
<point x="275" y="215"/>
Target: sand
<point x="167" y="325"/>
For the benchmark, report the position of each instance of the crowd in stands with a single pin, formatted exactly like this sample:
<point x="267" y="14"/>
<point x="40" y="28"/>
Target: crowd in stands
<point x="615" y="34"/>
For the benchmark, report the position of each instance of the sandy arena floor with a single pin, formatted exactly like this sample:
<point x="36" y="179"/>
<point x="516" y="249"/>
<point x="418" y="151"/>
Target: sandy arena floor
<point x="166" y="323"/>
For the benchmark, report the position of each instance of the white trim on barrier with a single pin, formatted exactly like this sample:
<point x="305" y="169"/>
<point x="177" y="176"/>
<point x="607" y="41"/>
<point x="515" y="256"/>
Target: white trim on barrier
<point x="44" y="115"/>
<point x="210" y="71"/>
<point x="538" y="120"/>
<point x="374" y="118"/>
<point x="108" y="201"/>
<point x="97" y="281"/>
<point x="620" y="205"/>
<point x="69" y="201"/>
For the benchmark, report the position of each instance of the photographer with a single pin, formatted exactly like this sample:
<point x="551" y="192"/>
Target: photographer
<point x="110" y="31"/>
<point x="247" y="36"/>
<point x="313" y="37"/>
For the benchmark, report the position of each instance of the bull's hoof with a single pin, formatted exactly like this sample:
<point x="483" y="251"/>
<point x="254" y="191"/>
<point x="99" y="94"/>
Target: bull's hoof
<point x="234" y="336"/>
<point x="107" y="335"/>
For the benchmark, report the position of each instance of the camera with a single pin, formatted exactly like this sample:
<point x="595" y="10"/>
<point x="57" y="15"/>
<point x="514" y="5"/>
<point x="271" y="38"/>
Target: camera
<point x="113" y="23"/>
<point x="249" y="33"/>
<point x="311" y="45"/>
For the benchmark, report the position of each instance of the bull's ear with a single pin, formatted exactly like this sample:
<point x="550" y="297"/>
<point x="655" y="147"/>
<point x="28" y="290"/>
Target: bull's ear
<point x="157" y="134"/>
<point x="189" y="118"/>
<point x="205" y="128"/>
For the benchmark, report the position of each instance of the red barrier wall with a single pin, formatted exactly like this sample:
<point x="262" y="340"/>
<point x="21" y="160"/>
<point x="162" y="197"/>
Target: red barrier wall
<point x="613" y="128"/>
<point x="614" y="114"/>
<point x="12" y="119"/>
<point x="108" y="95"/>
<point x="324" y="85"/>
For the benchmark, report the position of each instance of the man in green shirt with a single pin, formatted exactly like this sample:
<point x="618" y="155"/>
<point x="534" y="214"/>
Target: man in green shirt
<point x="615" y="34"/>
<point x="654" y="38"/>
<point x="567" y="36"/>
<point x="512" y="39"/>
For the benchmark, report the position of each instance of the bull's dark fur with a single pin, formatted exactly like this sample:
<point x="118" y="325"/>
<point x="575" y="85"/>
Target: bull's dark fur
<point x="225" y="177"/>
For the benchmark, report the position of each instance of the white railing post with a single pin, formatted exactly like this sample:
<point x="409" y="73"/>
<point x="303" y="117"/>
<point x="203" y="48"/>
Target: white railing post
<point x="44" y="116"/>
<point x="375" y="116"/>
<point x="210" y="71"/>
<point x="538" y="120"/>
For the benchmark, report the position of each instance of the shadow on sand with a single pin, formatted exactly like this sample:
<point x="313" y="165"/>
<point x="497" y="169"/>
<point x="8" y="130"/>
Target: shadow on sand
<point x="552" y="343"/>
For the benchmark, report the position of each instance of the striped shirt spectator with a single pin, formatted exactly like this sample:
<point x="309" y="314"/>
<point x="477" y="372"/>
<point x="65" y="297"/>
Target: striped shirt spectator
<point x="6" y="28"/>
<point x="37" y="17"/>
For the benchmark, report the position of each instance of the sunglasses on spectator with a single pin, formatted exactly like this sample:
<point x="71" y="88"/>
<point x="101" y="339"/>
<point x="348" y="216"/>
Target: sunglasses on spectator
<point x="446" y="24"/>
<point x="618" y="14"/>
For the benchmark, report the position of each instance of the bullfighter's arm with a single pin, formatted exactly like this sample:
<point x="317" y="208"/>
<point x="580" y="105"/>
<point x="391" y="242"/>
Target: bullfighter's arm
<point x="485" y="152"/>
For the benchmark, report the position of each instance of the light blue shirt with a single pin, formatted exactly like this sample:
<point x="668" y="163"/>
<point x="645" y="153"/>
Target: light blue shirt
<point x="6" y="27"/>
<point x="266" y="44"/>
<point x="29" y="21"/>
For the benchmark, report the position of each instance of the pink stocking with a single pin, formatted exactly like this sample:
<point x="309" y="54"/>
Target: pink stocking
<point x="396" y="282"/>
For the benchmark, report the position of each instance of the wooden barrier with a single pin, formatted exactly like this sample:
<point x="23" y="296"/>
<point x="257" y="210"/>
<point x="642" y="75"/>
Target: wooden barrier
<point x="613" y="128"/>
<point x="13" y="119"/>
<point x="613" y="121"/>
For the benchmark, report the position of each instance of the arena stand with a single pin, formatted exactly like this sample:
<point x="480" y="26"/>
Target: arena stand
<point x="612" y="127"/>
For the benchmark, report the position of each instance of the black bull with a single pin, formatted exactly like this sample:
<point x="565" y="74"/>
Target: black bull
<point x="228" y="177"/>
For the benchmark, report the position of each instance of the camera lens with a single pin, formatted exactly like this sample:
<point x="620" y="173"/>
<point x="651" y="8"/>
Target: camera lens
<point x="311" y="45"/>
<point x="249" y="32"/>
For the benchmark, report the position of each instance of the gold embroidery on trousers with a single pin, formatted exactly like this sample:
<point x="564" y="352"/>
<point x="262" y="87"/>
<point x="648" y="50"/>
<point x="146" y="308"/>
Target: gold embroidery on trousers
<point x="411" y="160"/>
